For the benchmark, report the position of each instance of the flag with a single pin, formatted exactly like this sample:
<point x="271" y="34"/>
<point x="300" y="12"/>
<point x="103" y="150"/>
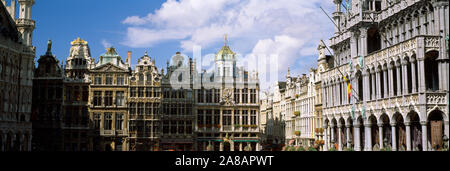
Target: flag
<point x="349" y="87"/>
<point x="348" y="5"/>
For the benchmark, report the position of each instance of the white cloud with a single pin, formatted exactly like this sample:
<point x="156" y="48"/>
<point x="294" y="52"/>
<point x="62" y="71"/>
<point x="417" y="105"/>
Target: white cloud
<point x="289" y="29"/>
<point x="106" y="44"/>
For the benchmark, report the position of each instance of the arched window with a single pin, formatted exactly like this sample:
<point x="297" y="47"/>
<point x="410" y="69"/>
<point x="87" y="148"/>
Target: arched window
<point x="360" y="86"/>
<point x="432" y="71"/>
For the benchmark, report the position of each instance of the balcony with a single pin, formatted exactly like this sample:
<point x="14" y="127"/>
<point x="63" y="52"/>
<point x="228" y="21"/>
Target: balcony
<point x="25" y="23"/>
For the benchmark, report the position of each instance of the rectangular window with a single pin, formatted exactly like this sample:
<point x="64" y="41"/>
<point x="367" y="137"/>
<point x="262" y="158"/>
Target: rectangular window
<point x="173" y="127"/>
<point x="97" y="120"/>
<point x="217" y="117"/>
<point x="245" y="95"/>
<point x="200" y="96"/>
<point x="155" y="108"/>
<point x="165" y="127"/>
<point x="108" y="98"/>
<point x="98" y="80"/>
<point x="148" y="108"/>
<point x="237" y="96"/>
<point x="133" y="92"/>
<point x="216" y="95"/>
<point x="120" y="98"/>
<point x="84" y="116"/>
<point x="120" y="80"/>
<point x="85" y="93"/>
<point x="245" y="117"/>
<point x="253" y="96"/>
<point x="253" y="117"/>
<point x="180" y="127"/>
<point x="97" y="98"/>
<point x="148" y="92"/>
<point x="140" y="108"/>
<point x="108" y="121"/>
<point x="68" y="94"/>
<point x="140" y="92"/>
<point x="208" y="117"/>
<point x="119" y="121"/>
<point x="227" y="117"/>
<point x="236" y="117"/>
<point x="109" y="79"/>
<point x="209" y="96"/>
<point x="157" y="92"/>
<point x="188" y="127"/>
<point x="200" y="117"/>
<point x="132" y="108"/>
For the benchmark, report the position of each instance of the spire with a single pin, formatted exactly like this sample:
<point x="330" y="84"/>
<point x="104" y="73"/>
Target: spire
<point x="146" y="54"/>
<point x="289" y="72"/>
<point x="226" y="39"/>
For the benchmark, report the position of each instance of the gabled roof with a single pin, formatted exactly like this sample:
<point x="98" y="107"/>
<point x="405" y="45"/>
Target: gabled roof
<point x="8" y="27"/>
<point x="108" y="67"/>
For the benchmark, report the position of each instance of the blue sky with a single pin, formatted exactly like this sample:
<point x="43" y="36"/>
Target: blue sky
<point x="288" y="30"/>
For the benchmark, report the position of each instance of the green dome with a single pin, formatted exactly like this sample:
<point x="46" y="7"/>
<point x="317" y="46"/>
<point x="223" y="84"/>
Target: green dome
<point x="226" y="54"/>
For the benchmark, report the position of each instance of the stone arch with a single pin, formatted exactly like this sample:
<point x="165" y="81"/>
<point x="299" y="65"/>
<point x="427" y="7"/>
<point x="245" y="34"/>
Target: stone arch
<point x="413" y="119"/>
<point x="384" y="121"/>
<point x="400" y="133"/>
<point x="436" y="128"/>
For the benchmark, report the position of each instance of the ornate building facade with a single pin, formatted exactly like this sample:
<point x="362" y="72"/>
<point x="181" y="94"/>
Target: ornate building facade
<point x="76" y="128"/>
<point x="47" y="103"/>
<point x="227" y="106"/>
<point x="295" y="100"/>
<point x="108" y="109"/>
<point x="144" y="104"/>
<point x="396" y="56"/>
<point x="16" y="75"/>
<point x="178" y="105"/>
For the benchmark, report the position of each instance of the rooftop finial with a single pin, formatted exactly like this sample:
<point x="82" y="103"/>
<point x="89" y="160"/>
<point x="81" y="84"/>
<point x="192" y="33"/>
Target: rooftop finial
<point x="146" y="54"/>
<point x="49" y="47"/>
<point x="226" y="39"/>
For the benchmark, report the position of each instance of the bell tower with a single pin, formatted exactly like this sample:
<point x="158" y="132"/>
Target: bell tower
<point x="25" y="23"/>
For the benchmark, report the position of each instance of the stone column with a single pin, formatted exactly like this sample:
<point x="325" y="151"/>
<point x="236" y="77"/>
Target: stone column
<point x="332" y="134"/>
<point x="421" y="76"/>
<point x="399" y="79"/>
<point x="424" y="135"/>
<point x="363" y="39"/>
<point x="368" y="134"/>
<point x="405" y="77"/>
<point x="385" y="82"/>
<point x="357" y="139"/>
<point x="413" y="75"/>
<point x="380" y="133"/>
<point x="366" y="88"/>
<point x="378" y="82"/>
<point x="325" y="148"/>
<point x="339" y="136"/>
<point x="391" y="80"/>
<point x="348" y="135"/>
<point x="394" y="137"/>
<point x="374" y="90"/>
<point x="408" y="136"/>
